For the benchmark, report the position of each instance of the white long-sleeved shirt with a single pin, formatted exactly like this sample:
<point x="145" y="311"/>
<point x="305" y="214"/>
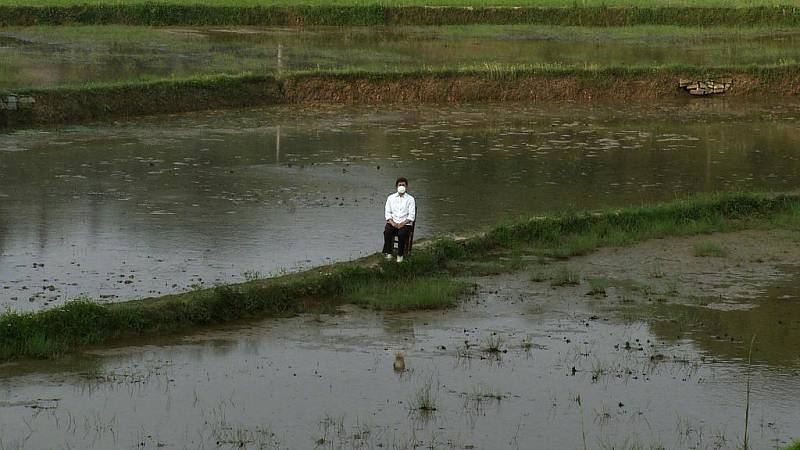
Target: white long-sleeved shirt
<point x="400" y="208"/>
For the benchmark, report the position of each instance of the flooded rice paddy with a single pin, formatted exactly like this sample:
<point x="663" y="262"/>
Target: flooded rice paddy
<point x="51" y="56"/>
<point x="166" y="204"/>
<point x="656" y="359"/>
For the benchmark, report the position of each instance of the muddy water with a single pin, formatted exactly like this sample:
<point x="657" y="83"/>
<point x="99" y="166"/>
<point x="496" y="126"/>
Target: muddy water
<point x="328" y="381"/>
<point x="49" y="56"/>
<point x="160" y="205"/>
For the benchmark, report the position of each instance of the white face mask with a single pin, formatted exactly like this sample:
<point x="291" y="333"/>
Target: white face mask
<point x="401" y="189"/>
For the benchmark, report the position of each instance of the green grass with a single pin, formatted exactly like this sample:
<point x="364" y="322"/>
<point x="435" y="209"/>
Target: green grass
<point x="706" y="249"/>
<point x="540" y="273"/>
<point x="425" y="398"/>
<point x="497" y="71"/>
<point x="598" y="286"/>
<point x="474" y="3"/>
<point x="493" y="343"/>
<point x="403" y="295"/>
<point x="577" y="246"/>
<point x="795" y="446"/>
<point x="59" y="55"/>
<point x="490" y="266"/>
<point x="83" y="323"/>
<point x="404" y="12"/>
<point x="565" y="276"/>
<point x="101" y="101"/>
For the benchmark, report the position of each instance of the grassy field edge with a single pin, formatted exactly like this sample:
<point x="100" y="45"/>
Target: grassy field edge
<point x="82" y="323"/>
<point x="166" y="13"/>
<point x="489" y="82"/>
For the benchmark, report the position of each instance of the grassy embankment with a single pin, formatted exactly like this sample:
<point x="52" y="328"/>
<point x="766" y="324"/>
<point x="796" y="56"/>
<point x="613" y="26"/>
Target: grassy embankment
<point x="490" y="82"/>
<point x="426" y="279"/>
<point x="473" y="3"/>
<point x="48" y="56"/>
<point x="408" y="12"/>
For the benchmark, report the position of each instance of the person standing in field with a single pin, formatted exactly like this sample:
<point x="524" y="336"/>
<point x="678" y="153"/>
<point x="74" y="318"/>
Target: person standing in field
<point x="400" y="212"/>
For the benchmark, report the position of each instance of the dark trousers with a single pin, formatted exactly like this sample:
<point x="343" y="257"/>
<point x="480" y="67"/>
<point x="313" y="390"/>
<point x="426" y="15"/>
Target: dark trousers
<point x="389" y="232"/>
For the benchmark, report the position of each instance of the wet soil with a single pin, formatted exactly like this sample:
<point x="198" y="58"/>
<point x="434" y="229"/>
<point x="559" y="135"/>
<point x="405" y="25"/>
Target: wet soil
<point x="520" y="364"/>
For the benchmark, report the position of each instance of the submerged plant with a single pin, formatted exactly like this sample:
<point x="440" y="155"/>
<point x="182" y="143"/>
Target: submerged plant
<point x="527" y="343"/>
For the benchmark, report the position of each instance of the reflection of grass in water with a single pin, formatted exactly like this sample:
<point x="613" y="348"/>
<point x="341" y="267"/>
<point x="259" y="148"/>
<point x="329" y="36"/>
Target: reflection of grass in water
<point x="227" y="435"/>
<point x="334" y="433"/>
<point x="421" y="293"/>
<point x="481" y="394"/>
<point x="705" y="249"/>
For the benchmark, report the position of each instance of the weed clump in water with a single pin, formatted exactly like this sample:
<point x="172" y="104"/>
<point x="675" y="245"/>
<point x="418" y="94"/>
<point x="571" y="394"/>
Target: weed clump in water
<point x="424" y="400"/>
<point x="494" y="344"/>
<point x="598" y="286"/>
<point x="527" y="343"/>
<point x="565" y="277"/>
<point x="706" y="249"/>
<point x="539" y="274"/>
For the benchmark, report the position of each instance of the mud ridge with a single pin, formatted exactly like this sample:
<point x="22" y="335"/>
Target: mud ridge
<point x="101" y="102"/>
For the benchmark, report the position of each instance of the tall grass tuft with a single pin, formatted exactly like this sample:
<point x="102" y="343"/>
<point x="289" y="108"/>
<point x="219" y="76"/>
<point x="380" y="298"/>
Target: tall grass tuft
<point x="402" y="295"/>
<point x="565" y="276"/>
<point x="402" y="12"/>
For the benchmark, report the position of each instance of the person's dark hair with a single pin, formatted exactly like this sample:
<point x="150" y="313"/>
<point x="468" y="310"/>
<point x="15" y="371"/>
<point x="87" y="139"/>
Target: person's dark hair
<point x="401" y="180"/>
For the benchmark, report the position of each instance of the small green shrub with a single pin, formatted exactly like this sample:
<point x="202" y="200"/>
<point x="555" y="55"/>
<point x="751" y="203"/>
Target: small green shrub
<point x="598" y="286"/>
<point x="564" y="276"/>
<point x="539" y="274"/>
